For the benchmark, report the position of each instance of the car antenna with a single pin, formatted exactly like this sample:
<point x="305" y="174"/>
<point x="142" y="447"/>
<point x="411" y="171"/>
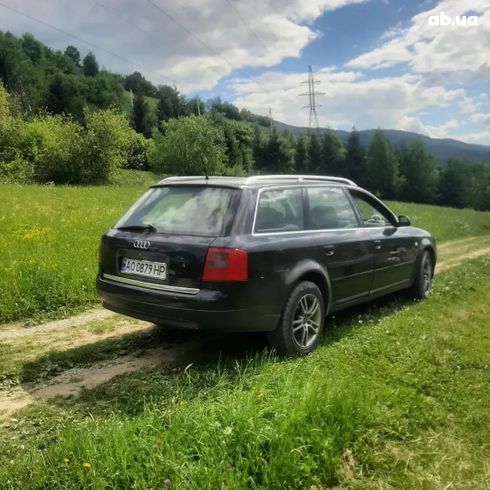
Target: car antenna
<point x="204" y="167"/>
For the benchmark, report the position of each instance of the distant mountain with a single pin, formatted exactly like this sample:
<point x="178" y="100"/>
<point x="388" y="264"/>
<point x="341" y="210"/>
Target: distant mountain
<point x="441" y="148"/>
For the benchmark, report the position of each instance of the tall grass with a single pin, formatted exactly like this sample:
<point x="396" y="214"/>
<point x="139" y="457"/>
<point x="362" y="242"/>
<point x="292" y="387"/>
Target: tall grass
<point x="48" y="244"/>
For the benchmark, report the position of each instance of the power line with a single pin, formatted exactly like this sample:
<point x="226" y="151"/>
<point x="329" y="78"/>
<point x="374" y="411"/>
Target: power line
<point x="95" y="46"/>
<point x="132" y="24"/>
<point x="246" y="24"/>
<point x="195" y="36"/>
<point x="311" y="94"/>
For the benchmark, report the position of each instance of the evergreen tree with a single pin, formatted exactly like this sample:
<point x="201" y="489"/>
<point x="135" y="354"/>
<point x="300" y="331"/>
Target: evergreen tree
<point x="258" y="149"/>
<point x="451" y="185"/>
<point x="73" y="53"/>
<point x="420" y="175"/>
<point x="142" y="120"/>
<point x="301" y="161"/>
<point x="90" y="65"/>
<point x="332" y="154"/>
<point x="277" y="155"/>
<point x="355" y="158"/>
<point x="314" y="153"/>
<point x="168" y="105"/>
<point x="382" y="166"/>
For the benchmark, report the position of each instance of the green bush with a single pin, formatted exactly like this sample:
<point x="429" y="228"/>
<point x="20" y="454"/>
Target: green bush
<point x="137" y="151"/>
<point x="58" y="143"/>
<point x="55" y="148"/>
<point x="15" y="145"/>
<point x="187" y="146"/>
<point x="104" y="147"/>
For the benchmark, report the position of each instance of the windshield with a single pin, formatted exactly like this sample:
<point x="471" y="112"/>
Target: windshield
<point x="182" y="210"/>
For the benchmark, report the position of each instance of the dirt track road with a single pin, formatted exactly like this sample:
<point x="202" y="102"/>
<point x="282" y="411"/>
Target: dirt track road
<point x="97" y="326"/>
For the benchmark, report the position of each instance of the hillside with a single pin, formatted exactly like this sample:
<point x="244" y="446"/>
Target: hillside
<point x="440" y="148"/>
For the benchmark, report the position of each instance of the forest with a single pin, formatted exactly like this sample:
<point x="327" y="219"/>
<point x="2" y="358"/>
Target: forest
<point x="64" y="120"/>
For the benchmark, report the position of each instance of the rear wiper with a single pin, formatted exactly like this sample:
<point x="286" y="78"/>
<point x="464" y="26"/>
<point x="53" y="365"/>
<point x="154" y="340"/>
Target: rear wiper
<point x="147" y="227"/>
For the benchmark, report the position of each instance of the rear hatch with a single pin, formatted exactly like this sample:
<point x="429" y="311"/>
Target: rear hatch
<point x="165" y="236"/>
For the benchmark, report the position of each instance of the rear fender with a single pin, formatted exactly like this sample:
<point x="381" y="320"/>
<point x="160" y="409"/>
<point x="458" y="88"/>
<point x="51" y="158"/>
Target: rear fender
<point x="309" y="270"/>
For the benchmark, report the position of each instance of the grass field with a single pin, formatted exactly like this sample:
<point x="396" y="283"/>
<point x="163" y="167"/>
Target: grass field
<point x="396" y="396"/>
<point x="49" y="238"/>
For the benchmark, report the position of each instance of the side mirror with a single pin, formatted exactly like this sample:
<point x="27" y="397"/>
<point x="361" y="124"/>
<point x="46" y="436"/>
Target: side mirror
<point x="403" y="220"/>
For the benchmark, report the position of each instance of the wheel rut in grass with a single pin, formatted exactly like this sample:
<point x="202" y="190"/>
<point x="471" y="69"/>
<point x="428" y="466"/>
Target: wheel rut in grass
<point x="72" y="382"/>
<point x="456" y="252"/>
<point x="18" y="329"/>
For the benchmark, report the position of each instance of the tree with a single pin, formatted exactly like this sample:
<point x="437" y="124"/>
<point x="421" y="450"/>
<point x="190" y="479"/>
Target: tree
<point x="258" y="148"/>
<point x="314" y="153"/>
<point x="189" y="146"/>
<point x="168" y="105"/>
<point x="73" y="53"/>
<point x="355" y="158"/>
<point x="32" y="48"/>
<point x="65" y="95"/>
<point x="142" y="120"/>
<point x="90" y="65"/>
<point x="382" y="166"/>
<point x="139" y="84"/>
<point x="301" y="160"/>
<point x="332" y="154"/>
<point x="278" y="155"/>
<point x="226" y="108"/>
<point x="420" y="175"/>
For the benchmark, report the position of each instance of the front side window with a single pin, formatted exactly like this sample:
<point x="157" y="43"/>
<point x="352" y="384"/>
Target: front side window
<point x="330" y="208"/>
<point x="280" y="210"/>
<point x="371" y="215"/>
<point x="183" y="210"/>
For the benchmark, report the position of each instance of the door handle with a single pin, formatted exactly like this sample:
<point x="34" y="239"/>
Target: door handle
<point x="377" y="244"/>
<point x="329" y="250"/>
<point x="395" y="252"/>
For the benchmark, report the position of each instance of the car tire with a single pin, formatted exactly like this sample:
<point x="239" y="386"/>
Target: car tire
<point x="302" y="320"/>
<point x="422" y="284"/>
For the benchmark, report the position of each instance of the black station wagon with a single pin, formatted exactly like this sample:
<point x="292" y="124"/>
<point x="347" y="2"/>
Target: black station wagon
<point x="272" y="253"/>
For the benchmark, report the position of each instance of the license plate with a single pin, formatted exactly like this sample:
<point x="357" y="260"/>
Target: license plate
<point x="157" y="270"/>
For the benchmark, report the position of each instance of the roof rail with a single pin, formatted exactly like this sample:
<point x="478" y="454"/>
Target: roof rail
<point x="192" y="177"/>
<point x="299" y="178"/>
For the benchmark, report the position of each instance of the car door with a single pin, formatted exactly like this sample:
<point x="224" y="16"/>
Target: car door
<point x="394" y="249"/>
<point x="344" y="246"/>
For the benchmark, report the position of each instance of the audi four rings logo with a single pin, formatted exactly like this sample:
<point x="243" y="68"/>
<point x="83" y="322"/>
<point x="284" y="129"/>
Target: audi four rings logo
<point x="143" y="244"/>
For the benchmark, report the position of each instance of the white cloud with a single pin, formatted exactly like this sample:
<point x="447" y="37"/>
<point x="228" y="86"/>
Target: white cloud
<point x="350" y="99"/>
<point x="443" y="130"/>
<point x="461" y="52"/>
<point x="481" y="118"/>
<point x="163" y="51"/>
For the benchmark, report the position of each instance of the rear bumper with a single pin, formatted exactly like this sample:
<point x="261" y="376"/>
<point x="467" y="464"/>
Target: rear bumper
<point x="200" y="309"/>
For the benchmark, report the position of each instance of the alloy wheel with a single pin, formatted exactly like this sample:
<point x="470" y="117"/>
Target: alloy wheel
<point x="307" y="320"/>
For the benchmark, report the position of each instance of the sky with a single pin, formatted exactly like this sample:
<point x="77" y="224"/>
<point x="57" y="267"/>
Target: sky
<point x="391" y="64"/>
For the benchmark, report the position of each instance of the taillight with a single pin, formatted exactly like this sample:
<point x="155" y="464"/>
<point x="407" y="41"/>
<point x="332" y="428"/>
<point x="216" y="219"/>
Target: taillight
<point x="225" y="264"/>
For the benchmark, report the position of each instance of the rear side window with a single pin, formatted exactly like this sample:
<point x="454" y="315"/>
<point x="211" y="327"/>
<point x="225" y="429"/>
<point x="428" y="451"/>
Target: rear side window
<point x="280" y="210"/>
<point x="329" y="209"/>
<point x="184" y="210"/>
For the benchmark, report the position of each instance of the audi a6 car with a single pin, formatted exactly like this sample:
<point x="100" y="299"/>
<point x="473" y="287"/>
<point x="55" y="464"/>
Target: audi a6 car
<point x="267" y="253"/>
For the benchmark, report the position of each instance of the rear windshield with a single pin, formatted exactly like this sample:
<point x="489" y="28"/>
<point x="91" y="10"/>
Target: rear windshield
<point x="183" y="210"/>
